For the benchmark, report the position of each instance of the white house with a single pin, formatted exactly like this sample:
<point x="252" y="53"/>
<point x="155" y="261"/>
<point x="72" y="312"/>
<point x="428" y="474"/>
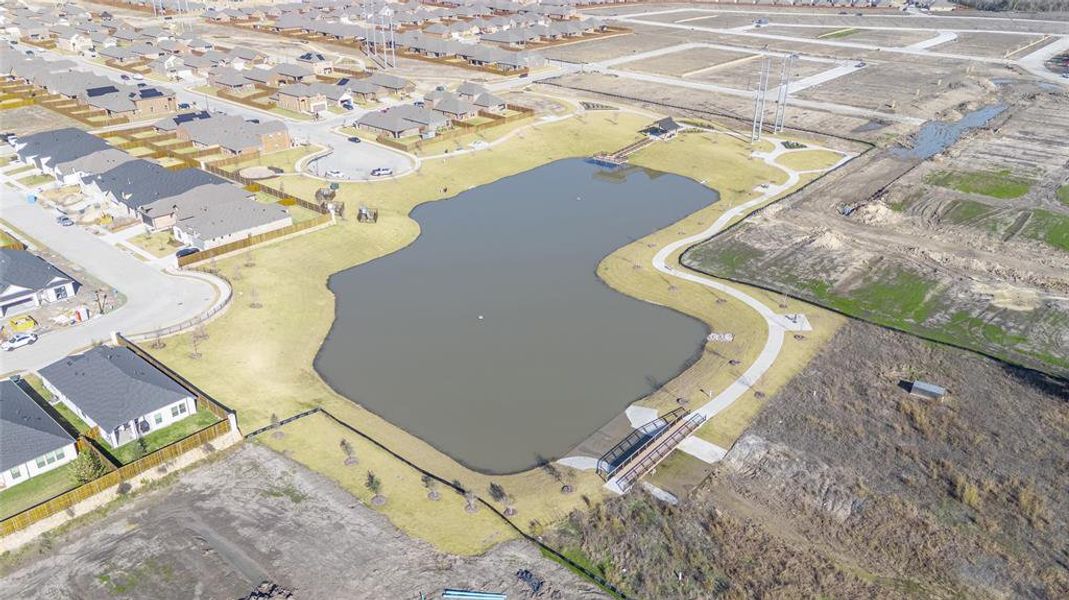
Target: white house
<point x="28" y="281"/>
<point x="118" y="392"/>
<point x="32" y="442"/>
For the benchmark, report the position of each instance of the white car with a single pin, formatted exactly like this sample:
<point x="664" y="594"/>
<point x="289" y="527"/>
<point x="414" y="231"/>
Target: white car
<point x="335" y="174"/>
<point x="18" y="340"/>
<point x="139" y="76"/>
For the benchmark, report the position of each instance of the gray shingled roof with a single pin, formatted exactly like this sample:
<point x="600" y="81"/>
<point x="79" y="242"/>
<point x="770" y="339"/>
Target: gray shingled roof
<point x="60" y="145"/>
<point x="28" y="431"/>
<point x="113" y="385"/>
<point x="27" y="270"/>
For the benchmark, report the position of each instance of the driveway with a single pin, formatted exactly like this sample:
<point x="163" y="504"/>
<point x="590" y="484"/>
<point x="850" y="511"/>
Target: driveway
<point x="154" y="298"/>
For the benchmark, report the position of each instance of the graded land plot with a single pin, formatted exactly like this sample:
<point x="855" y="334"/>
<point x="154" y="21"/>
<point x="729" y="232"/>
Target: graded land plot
<point x="908" y="87"/>
<point x="993" y="45"/>
<point x="275" y="376"/>
<point x="783" y="46"/>
<point x="743" y="75"/>
<point x="846" y="486"/>
<point x="889" y="38"/>
<point x="613" y="47"/>
<point x="687" y="62"/>
<point x="730" y="111"/>
<point x="30" y="119"/>
<point x="250" y="516"/>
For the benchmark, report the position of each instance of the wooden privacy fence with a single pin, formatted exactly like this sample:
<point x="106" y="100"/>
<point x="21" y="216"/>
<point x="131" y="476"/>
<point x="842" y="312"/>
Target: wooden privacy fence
<point x="124" y="473"/>
<point x="252" y="240"/>
<point x="215" y="168"/>
<point x="227" y="422"/>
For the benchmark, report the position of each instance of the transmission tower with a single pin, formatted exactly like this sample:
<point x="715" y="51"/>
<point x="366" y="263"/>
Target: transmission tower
<point x="784" y="84"/>
<point x="759" y="100"/>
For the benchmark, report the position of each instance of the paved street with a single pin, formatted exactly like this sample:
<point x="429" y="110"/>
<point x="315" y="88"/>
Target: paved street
<point x="153" y="298"/>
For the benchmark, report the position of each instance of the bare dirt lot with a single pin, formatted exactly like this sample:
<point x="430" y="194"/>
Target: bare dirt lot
<point x="968" y="248"/>
<point x="254" y="515"/>
<point x="846" y="486"/>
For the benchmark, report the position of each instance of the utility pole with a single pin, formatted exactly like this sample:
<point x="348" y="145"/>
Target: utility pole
<point x="784" y="83"/>
<point x="759" y="100"/>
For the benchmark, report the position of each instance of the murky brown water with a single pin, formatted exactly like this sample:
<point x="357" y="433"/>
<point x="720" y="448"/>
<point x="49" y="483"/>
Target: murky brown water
<point x="491" y="337"/>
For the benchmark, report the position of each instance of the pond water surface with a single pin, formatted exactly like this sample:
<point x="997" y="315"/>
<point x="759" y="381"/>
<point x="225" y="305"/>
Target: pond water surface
<point x="491" y="337"/>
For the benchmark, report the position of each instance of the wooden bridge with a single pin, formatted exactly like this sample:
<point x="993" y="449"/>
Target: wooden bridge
<point x="619" y="157"/>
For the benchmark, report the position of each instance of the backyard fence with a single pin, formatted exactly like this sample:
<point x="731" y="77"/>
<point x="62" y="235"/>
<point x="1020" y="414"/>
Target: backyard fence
<point x="127" y="472"/>
<point x="215" y="168"/>
<point x="253" y="240"/>
<point x="120" y="473"/>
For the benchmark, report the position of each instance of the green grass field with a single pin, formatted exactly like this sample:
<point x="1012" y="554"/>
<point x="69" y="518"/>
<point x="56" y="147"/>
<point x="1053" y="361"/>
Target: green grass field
<point x="995" y="184"/>
<point x="1049" y="227"/>
<point x="35" y="490"/>
<point x="1063" y="194"/>
<point x="128" y="453"/>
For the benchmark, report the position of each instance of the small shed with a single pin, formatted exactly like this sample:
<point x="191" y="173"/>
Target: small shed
<point x="926" y="390"/>
<point x="665" y="129"/>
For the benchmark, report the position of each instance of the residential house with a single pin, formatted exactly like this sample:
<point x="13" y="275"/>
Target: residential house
<point x="117" y="392"/>
<point x="316" y="62"/>
<point x="226" y="78"/>
<point x="490" y="103"/>
<point x="291" y="73"/>
<point x="206" y="221"/>
<point x="455" y="108"/>
<point x="390" y="83"/>
<point x="231" y="133"/>
<point x="403" y="121"/>
<point x="33" y="442"/>
<point x="301" y="97"/>
<point x="28" y="281"/>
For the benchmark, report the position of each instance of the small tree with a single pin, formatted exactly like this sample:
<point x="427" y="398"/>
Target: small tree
<point x="195" y="342"/>
<point x="431" y="484"/>
<point x="347" y="449"/>
<point x="277" y="427"/>
<point x="374" y="485"/>
<point x="87" y="467"/>
<point x="470" y="503"/>
<point x="497" y="492"/>
<point x="254" y="298"/>
<point x="142" y="446"/>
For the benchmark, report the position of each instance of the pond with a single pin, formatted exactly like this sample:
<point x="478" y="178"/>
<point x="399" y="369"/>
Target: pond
<point x="491" y="336"/>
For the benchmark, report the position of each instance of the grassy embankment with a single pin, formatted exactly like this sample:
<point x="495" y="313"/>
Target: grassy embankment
<point x="274" y="375"/>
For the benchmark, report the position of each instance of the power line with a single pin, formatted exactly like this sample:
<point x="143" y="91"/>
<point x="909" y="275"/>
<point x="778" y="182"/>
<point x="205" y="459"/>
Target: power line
<point x="759" y="100"/>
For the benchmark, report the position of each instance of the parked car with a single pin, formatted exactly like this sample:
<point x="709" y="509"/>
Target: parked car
<point x="18" y="340"/>
<point x="186" y="251"/>
<point x="124" y="77"/>
<point x="354" y="139"/>
<point x="860" y="65"/>
<point x="183" y="105"/>
<point x="347" y="105"/>
<point x="141" y="85"/>
<point x="139" y="76"/>
<point x="381" y="172"/>
<point x="64" y="220"/>
<point x="335" y="174"/>
<point x="523" y="75"/>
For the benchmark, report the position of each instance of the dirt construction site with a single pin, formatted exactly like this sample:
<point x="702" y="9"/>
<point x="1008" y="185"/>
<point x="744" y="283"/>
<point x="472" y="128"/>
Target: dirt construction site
<point x="252" y="516"/>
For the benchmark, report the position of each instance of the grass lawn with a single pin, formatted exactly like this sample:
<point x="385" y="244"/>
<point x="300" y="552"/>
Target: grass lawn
<point x="128" y="453"/>
<point x="808" y="160"/>
<point x="284" y="159"/>
<point x="35" y="490"/>
<point x="1049" y="227"/>
<point x="274" y="375"/>
<point x="995" y="184"/>
<point x="1063" y="194"/>
<point x="19" y="169"/>
<point x="158" y="244"/>
<point x="6" y="239"/>
<point x="36" y="180"/>
<point x="278" y="110"/>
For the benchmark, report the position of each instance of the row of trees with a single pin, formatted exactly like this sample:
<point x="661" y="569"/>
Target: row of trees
<point x="373" y="484"/>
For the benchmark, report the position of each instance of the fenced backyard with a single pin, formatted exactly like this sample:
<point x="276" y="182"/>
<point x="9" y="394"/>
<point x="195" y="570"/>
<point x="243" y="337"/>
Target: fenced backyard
<point x="117" y="473"/>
